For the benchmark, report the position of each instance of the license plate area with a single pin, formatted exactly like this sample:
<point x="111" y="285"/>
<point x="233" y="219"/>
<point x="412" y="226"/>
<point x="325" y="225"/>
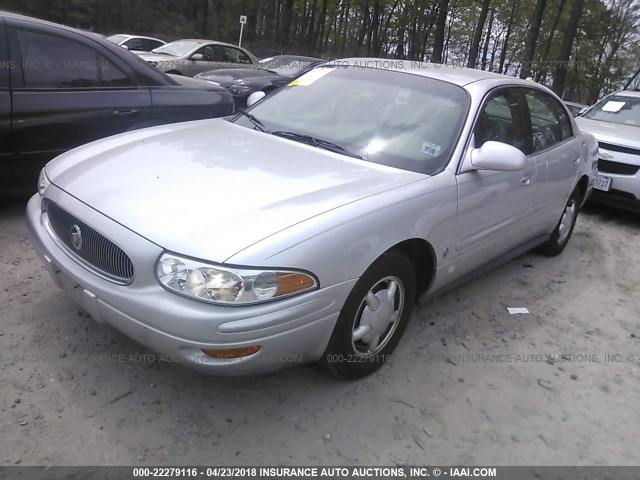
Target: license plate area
<point x="602" y="183"/>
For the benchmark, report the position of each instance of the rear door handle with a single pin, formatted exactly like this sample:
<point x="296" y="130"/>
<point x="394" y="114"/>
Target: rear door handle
<point x="526" y="180"/>
<point x="124" y="113"/>
<point x="577" y="160"/>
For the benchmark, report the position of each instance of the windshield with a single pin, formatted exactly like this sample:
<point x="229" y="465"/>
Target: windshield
<point x="117" y="38"/>
<point x="287" y="66"/>
<point x="179" y="48"/>
<point x="617" y="109"/>
<point x="386" y="117"/>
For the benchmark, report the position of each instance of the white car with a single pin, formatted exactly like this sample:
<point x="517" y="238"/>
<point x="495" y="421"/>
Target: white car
<point x="615" y="122"/>
<point x="136" y="43"/>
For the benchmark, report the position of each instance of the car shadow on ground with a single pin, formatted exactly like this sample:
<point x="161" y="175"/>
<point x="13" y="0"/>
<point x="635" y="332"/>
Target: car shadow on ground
<point x="609" y="214"/>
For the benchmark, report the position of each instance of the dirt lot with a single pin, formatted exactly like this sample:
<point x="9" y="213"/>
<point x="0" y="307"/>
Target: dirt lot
<point x="469" y="383"/>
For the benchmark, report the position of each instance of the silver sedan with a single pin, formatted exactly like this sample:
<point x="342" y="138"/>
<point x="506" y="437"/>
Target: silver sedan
<point x="191" y="56"/>
<point x="306" y="228"/>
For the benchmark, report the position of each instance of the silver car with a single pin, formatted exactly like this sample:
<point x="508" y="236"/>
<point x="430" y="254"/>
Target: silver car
<point x="615" y="122"/>
<point x="306" y="228"/>
<point x="191" y="56"/>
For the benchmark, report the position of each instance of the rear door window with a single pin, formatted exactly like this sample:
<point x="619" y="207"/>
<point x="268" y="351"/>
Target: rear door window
<point x="52" y="61"/>
<point x="550" y="124"/>
<point x="235" y="55"/>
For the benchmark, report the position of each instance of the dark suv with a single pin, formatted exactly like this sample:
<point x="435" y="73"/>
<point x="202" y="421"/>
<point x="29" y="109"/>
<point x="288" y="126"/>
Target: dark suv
<point x="61" y="88"/>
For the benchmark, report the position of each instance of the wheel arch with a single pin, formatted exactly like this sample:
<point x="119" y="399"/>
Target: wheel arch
<point x="423" y="257"/>
<point x="583" y="187"/>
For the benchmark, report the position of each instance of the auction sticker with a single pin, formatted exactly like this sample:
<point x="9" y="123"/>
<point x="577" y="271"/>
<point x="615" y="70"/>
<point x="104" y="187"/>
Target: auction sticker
<point x="310" y="77"/>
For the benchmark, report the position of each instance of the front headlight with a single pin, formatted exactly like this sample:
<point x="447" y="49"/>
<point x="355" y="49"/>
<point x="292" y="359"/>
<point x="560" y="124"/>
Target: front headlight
<point x="229" y="286"/>
<point x="43" y="182"/>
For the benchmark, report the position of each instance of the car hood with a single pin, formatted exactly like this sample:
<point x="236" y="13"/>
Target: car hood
<point x="226" y="77"/>
<point x="616" y="133"/>
<point x="211" y="188"/>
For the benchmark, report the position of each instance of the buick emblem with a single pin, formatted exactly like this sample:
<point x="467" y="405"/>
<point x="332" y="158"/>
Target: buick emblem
<point x="76" y="237"/>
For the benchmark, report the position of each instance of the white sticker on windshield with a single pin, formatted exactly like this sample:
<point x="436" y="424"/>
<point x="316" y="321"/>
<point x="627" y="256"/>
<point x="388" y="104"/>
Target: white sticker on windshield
<point x="612" y="106"/>
<point x="311" y="76"/>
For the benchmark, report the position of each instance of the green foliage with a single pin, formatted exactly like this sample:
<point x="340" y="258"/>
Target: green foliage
<point x="605" y="52"/>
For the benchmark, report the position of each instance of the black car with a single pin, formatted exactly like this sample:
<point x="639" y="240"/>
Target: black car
<point x="269" y="74"/>
<point x="61" y="88"/>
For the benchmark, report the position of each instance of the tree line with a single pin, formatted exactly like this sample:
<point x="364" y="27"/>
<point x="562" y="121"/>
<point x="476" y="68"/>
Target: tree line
<point x="582" y="49"/>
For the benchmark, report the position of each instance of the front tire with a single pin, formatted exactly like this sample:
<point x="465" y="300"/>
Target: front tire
<point x="562" y="233"/>
<point x="373" y="318"/>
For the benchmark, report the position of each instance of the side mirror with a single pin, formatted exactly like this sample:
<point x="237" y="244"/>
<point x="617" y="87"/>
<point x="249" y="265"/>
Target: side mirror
<point x="197" y="57"/>
<point x="498" y="156"/>
<point x="125" y="47"/>
<point x="255" y="96"/>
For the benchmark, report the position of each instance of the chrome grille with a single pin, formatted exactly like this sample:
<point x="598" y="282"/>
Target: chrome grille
<point x="93" y="249"/>
<point x="619" y="148"/>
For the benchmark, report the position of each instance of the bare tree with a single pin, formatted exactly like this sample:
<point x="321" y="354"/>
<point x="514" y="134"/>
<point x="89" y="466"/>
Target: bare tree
<point x="532" y="38"/>
<point x="477" y="36"/>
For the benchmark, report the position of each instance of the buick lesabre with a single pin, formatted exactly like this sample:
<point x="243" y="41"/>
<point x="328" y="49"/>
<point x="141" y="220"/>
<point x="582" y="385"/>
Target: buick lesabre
<point x="307" y="227"/>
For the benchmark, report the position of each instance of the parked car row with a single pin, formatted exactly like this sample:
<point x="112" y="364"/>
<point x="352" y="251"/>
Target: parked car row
<point x="269" y="74"/>
<point x="222" y="64"/>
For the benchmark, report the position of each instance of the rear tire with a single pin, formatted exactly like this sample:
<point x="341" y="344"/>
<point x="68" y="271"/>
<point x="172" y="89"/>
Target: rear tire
<point x="562" y="233"/>
<point x="373" y="318"/>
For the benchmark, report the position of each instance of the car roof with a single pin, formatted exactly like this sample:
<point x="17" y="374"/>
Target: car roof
<point x="205" y="42"/>
<point x="128" y="36"/>
<point x="295" y="57"/>
<point x="457" y="75"/>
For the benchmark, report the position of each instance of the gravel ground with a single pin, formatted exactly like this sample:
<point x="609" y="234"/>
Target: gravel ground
<point x="469" y="383"/>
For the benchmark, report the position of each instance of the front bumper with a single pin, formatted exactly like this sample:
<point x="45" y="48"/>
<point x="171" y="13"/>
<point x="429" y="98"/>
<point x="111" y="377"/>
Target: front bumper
<point x="624" y="192"/>
<point x="290" y="331"/>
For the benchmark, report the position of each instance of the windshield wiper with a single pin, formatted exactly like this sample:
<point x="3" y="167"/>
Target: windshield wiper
<point x="257" y="123"/>
<point x="316" y="142"/>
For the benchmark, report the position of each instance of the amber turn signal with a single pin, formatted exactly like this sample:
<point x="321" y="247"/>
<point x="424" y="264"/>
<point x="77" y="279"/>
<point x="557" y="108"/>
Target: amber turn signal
<point x="231" y="352"/>
<point x="293" y="282"/>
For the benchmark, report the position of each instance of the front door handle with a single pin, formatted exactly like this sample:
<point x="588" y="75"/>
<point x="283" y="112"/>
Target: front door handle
<point x="526" y="180"/>
<point x="577" y="160"/>
<point x="124" y="113"/>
